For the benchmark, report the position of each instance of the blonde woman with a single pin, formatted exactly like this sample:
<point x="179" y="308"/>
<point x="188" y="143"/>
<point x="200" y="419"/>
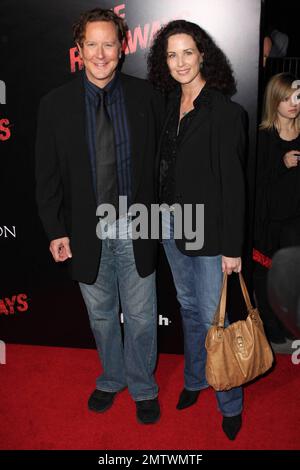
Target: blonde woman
<point x="277" y="216"/>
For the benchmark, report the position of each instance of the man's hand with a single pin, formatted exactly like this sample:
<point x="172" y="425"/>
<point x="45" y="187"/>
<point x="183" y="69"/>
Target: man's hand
<point x="230" y="265"/>
<point x="60" y="249"/>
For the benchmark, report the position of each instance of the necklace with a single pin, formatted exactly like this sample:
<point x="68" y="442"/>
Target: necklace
<point x="184" y="113"/>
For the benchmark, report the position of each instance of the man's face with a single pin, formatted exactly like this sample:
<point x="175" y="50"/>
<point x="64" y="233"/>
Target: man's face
<point x="100" y="52"/>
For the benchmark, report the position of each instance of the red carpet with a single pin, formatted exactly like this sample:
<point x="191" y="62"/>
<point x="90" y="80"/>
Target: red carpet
<point x="43" y="405"/>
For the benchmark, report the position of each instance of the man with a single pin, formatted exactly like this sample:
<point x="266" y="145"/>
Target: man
<point x="96" y="141"/>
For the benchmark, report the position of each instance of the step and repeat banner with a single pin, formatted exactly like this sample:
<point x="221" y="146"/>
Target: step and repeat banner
<point x="39" y="304"/>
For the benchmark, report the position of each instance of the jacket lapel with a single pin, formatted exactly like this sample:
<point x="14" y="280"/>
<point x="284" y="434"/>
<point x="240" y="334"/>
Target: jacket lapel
<point x="203" y="110"/>
<point x="80" y="155"/>
<point x="202" y="113"/>
<point x="137" y="119"/>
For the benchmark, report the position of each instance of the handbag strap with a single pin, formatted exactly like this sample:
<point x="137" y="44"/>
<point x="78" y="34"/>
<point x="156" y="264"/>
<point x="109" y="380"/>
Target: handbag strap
<point x="245" y="293"/>
<point x="219" y="318"/>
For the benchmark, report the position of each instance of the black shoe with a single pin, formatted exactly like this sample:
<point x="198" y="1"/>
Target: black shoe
<point x="283" y="348"/>
<point x="275" y="332"/>
<point x="276" y="338"/>
<point x="231" y="425"/>
<point x="187" y="398"/>
<point x="290" y="335"/>
<point x="147" y="411"/>
<point x="101" y="401"/>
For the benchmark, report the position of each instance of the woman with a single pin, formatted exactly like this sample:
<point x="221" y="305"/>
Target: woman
<point x="201" y="153"/>
<point x="277" y="215"/>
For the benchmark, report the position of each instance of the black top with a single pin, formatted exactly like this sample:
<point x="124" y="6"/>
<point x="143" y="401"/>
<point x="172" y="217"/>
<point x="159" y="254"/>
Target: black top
<point x="167" y="161"/>
<point x="173" y="135"/>
<point x="277" y="189"/>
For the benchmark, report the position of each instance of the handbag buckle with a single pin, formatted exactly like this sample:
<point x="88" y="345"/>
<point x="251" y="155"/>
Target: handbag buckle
<point x="241" y="345"/>
<point x="220" y="332"/>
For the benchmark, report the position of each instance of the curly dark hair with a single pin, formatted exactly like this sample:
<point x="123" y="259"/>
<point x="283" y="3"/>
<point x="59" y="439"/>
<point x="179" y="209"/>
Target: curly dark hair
<point x="98" y="14"/>
<point x="216" y="69"/>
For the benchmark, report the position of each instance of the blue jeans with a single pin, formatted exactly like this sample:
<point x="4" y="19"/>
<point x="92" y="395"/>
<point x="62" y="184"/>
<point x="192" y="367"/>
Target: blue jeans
<point x="132" y="363"/>
<point x="198" y="282"/>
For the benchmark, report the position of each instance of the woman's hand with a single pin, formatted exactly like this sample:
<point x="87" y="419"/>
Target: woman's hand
<point x="290" y="159"/>
<point x="230" y="265"/>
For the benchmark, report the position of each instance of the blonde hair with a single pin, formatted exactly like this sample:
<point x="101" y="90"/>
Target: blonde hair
<point x="278" y="88"/>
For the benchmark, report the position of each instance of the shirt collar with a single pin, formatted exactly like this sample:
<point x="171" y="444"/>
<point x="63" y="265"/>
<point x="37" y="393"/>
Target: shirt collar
<point x="203" y="98"/>
<point x="93" y="90"/>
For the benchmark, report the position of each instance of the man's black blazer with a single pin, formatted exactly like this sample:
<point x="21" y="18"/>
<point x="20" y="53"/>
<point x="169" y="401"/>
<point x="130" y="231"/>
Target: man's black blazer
<point x="209" y="170"/>
<point x="65" y="196"/>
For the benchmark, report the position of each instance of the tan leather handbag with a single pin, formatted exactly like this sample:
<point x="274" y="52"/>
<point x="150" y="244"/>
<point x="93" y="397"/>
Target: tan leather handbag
<point x="239" y="352"/>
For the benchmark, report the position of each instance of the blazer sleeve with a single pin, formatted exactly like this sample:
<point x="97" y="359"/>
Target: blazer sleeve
<point x="261" y="182"/>
<point x="232" y="161"/>
<point x="270" y="176"/>
<point x="270" y="165"/>
<point x="49" y="189"/>
<point x="159" y="109"/>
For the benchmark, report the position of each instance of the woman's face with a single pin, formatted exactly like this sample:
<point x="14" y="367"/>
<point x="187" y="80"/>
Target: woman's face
<point x="287" y="108"/>
<point x="183" y="58"/>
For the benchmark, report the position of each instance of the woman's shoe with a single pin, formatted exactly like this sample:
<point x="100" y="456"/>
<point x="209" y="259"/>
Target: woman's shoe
<point x="187" y="398"/>
<point x="231" y="425"/>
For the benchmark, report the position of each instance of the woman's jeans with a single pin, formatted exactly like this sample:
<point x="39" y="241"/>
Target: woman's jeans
<point x="198" y="282"/>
